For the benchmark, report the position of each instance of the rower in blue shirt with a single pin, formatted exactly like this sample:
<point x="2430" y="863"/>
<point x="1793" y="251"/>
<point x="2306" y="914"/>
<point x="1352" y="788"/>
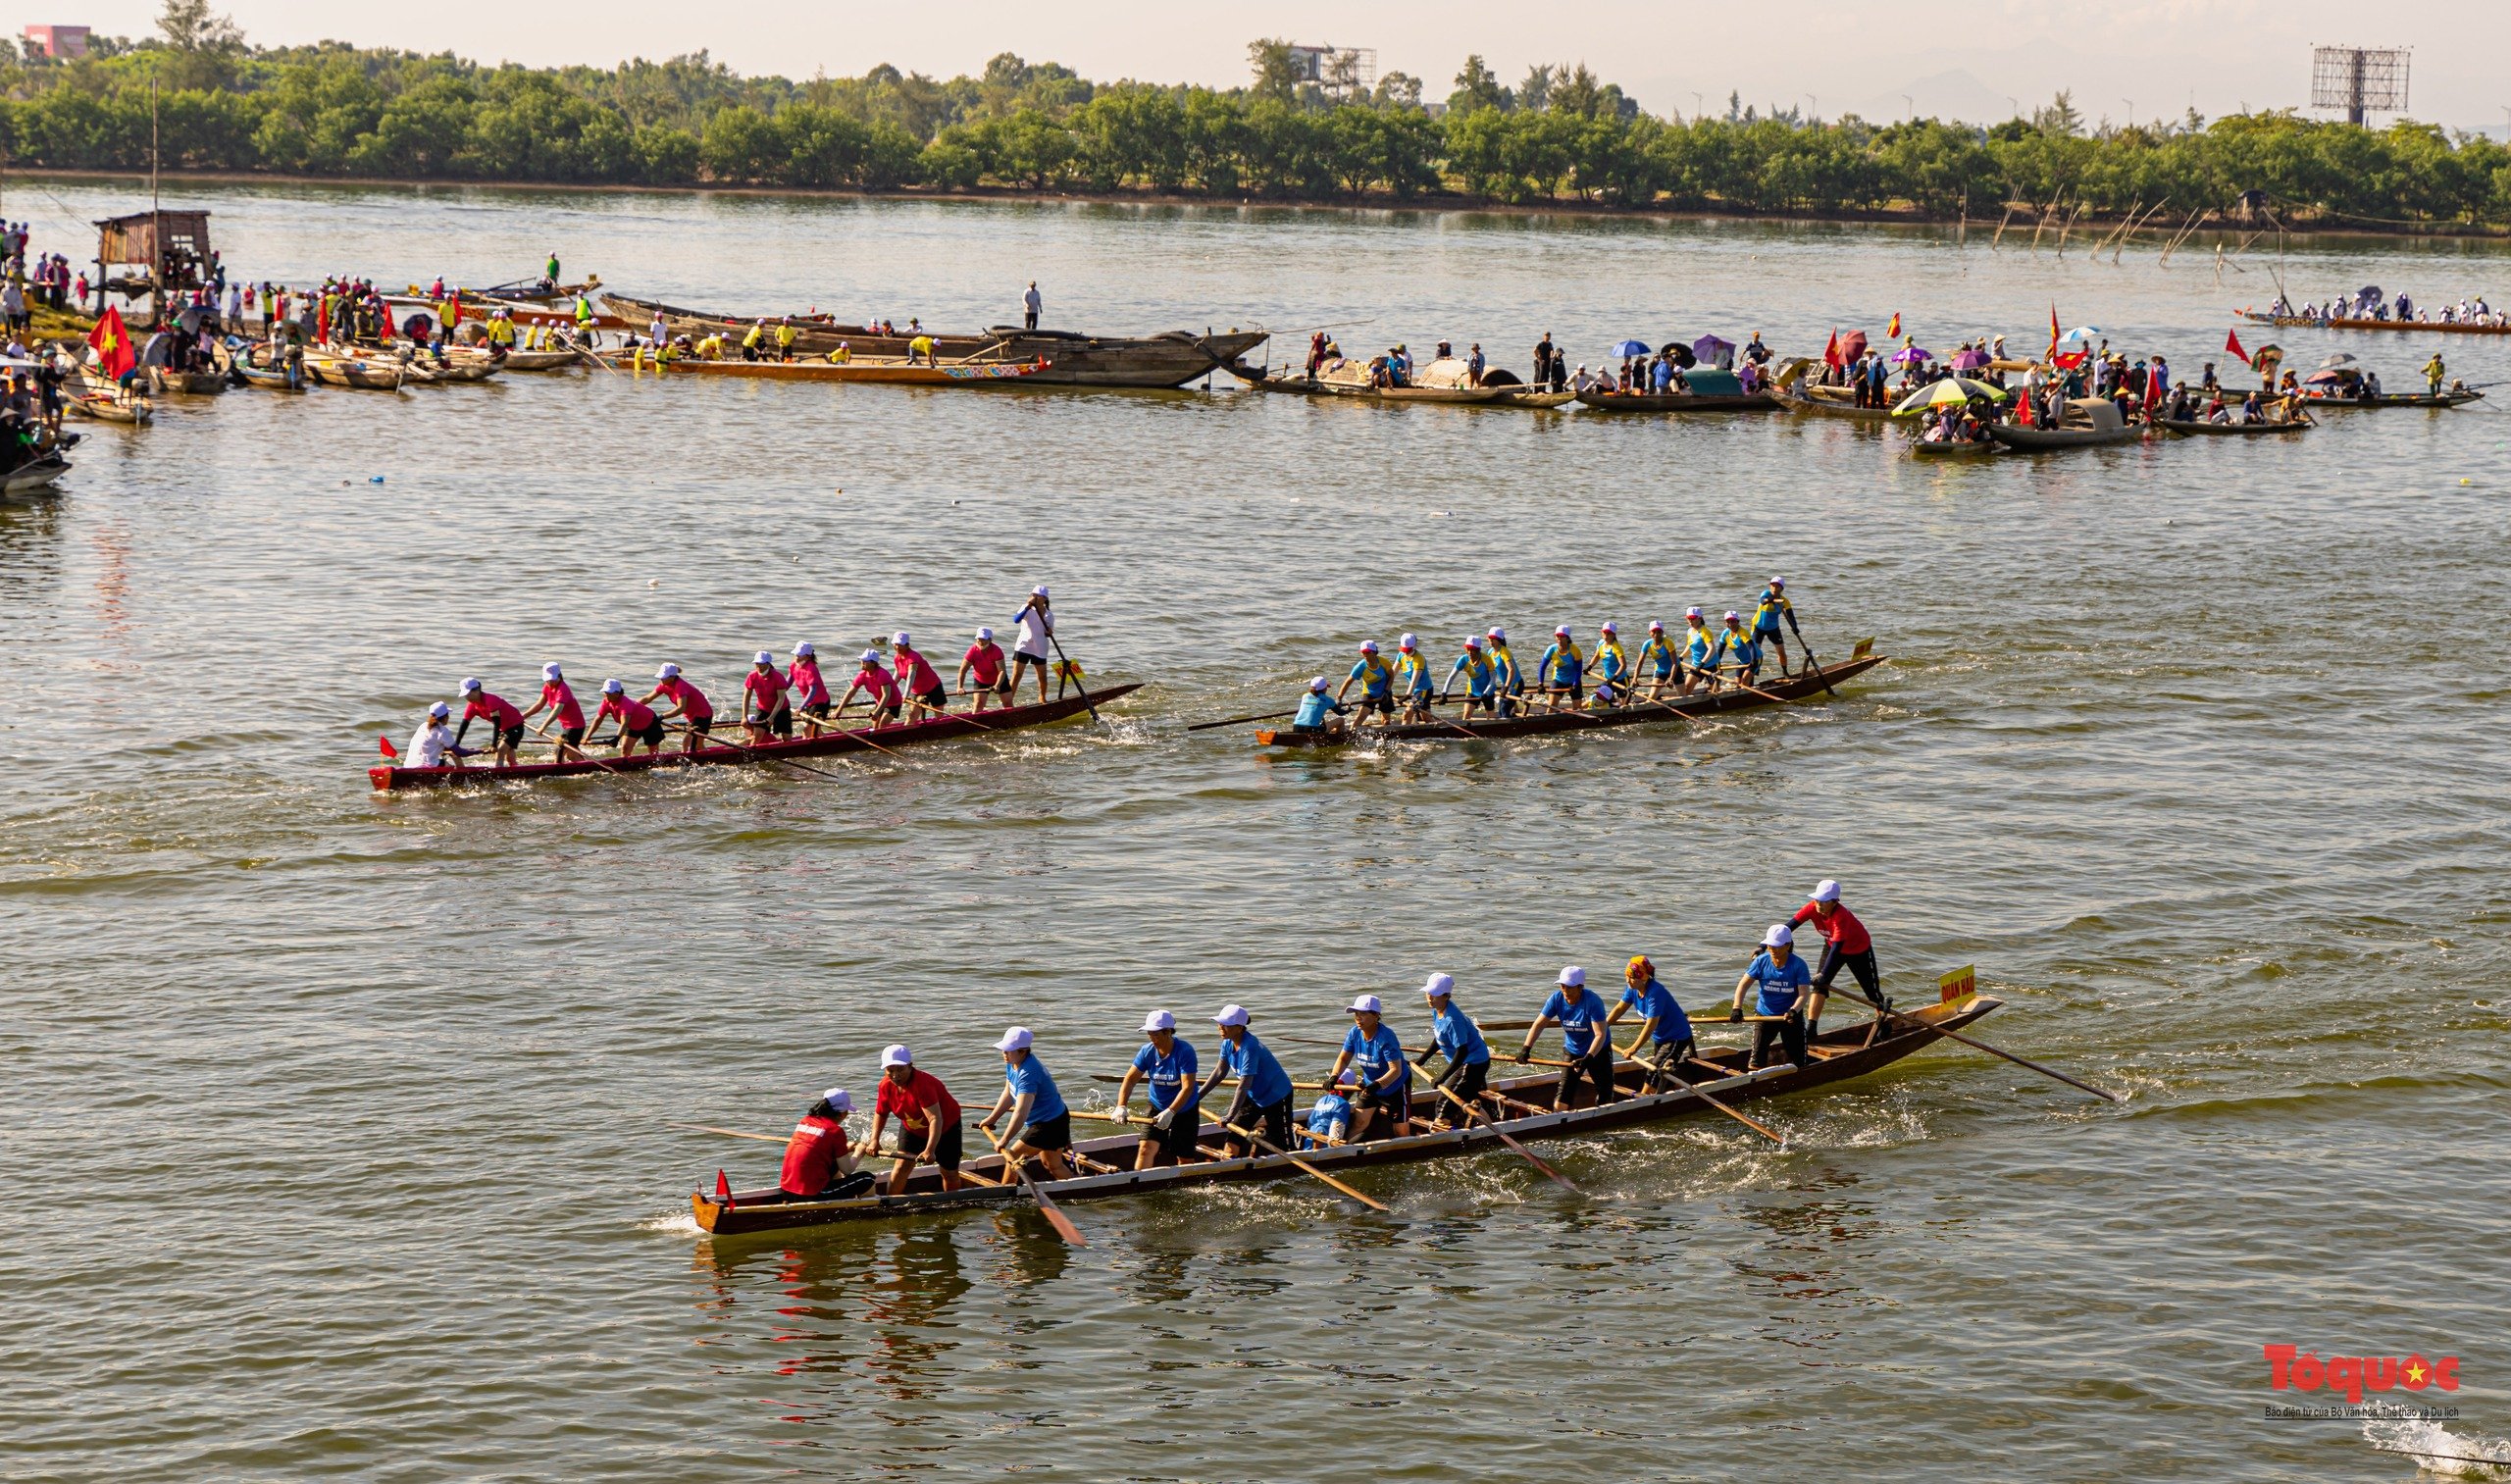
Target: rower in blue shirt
<point x="1769" y="611"/>
<point x="1372" y="1049"/>
<point x="1413" y="679"/>
<point x="1657" y="661"/>
<point x="1700" y="646"/>
<point x="1480" y="679"/>
<point x="1664" y="1038"/>
<point x="1315" y="710"/>
<point x="1262" y="1105"/>
<point x="1507" y="678"/>
<point x="1329" y="1123"/>
<point x="1041" y="1124"/>
<point x="1781" y="978"/>
<point x="1168" y="1062"/>
<point x="1738" y="654"/>
<point x="1612" y="666"/>
<point x="1580" y="1014"/>
<point x="1455" y="1036"/>
<point x="1376" y="680"/>
<point x="1563" y="672"/>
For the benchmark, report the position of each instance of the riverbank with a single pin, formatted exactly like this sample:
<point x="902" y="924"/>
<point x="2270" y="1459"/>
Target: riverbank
<point x="2075" y="228"/>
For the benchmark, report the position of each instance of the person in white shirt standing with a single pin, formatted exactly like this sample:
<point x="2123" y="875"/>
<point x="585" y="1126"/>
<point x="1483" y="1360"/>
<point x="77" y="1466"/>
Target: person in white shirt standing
<point x="433" y="746"/>
<point x="1031" y="304"/>
<point x="1037" y="639"/>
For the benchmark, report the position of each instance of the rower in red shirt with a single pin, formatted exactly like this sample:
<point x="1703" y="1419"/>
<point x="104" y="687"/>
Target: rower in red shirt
<point x="503" y="719"/>
<point x="1844" y="942"/>
<point x="637" y="722"/>
<point x="928" y="1121"/>
<point x="688" y="703"/>
<point x="819" y="1164"/>
<point x="809" y="691"/>
<point x="915" y="676"/>
<point x="876" y="682"/>
<point x="558" y="699"/>
<point x="984" y="661"/>
<point x="763" y="705"/>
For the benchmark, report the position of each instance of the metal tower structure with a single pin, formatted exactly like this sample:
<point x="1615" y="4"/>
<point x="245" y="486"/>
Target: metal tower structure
<point x="2359" y="79"/>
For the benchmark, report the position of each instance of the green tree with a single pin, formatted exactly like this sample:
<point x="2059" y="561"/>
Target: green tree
<point x="1477" y="87"/>
<point x="202" y="47"/>
<point x="1277" y="73"/>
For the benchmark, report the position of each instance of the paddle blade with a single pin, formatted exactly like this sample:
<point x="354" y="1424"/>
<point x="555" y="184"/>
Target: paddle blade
<point x="723" y="1191"/>
<point x="389" y="751"/>
<point x="1057" y="1219"/>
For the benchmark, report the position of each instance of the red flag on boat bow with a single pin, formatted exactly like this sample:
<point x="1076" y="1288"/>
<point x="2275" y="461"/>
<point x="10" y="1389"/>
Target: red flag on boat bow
<point x="385" y="744"/>
<point x="2231" y="346"/>
<point x="723" y="1191"/>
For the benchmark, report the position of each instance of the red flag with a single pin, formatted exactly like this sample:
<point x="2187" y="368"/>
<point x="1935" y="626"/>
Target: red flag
<point x="1892" y="331"/>
<point x="111" y="342"/>
<point x="2052" y="356"/>
<point x="389" y="330"/>
<point x="723" y="1191"/>
<point x="323" y="319"/>
<point x="385" y="743"/>
<point x="1831" y="351"/>
<point x="2231" y="346"/>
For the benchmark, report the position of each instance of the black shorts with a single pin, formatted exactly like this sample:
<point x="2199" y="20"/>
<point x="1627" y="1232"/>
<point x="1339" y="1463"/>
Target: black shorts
<point x="1860" y="966"/>
<point x="698" y="725"/>
<point x="1020" y="658"/>
<point x="1467" y="1083"/>
<point x="1272" y="1123"/>
<point x="945" y="1153"/>
<point x="1384" y="704"/>
<point x="936" y="698"/>
<point x="1786" y="1036"/>
<point x="650" y="733"/>
<point x="817" y="708"/>
<point x="778" y="723"/>
<point x="510" y="737"/>
<point x="1054" y="1134"/>
<point x="571" y="735"/>
<point x="1399" y="1102"/>
<point x="1595" y="1070"/>
<point x="1178" y="1143"/>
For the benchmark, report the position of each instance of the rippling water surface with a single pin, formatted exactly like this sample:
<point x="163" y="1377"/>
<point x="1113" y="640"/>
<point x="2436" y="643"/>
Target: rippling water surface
<point x="351" y="1130"/>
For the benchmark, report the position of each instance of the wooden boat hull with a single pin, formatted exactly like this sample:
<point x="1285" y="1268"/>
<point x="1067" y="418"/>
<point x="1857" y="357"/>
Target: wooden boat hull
<point x="41" y="474"/>
<point x="983" y="373"/>
<point x="1826" y="407"/>
<point x="957" y="724"/>
<point x="1953" y="449"/>
<point x="1837" y="1055"/>
<point x="191" y="384"/>
<point x="356" y="375"/>
<point x="107" y="410"/>
<point x="1798" y="687"/>
<point x="2194" y="429"/>
<point x="531" y="360"/>
<point x="2298" y="322"/>
<point x="1756" y="401"/>
<point x="271" y="377"/>
<point x="2391" y="399"/>
<point x="2050" y="439"/>
<point x="1528" y="396"/>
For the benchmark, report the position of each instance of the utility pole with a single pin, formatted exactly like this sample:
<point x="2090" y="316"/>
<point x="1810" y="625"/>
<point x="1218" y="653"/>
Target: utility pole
<point x="1913" y="104"/>
<point x="2132" y="110"/>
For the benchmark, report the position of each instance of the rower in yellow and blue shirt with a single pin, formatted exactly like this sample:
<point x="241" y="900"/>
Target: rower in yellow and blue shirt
<point x="1413" y="679"/>
<point x="1612" y="666"/>
<point x="1700" y="646"/>
<point x="1319" y="714"/>
<point x="1738" y="654"/>
<point x="1479" y="680"/>
<point x="1770" y="611"/>
<point x="1655" y="662"/>
<point x="1562" y="669"/>
<point x="1376" y="680"/>
<point x="1507" y="679"/>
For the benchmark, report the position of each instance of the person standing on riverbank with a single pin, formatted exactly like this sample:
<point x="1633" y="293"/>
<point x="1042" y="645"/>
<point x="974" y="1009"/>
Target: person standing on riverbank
<point x="1030" y="305"/>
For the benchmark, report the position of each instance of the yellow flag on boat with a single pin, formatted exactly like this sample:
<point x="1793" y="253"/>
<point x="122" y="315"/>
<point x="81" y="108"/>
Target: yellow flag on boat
<point x="1069" y="670"/>
<point x="1961" y="983"/>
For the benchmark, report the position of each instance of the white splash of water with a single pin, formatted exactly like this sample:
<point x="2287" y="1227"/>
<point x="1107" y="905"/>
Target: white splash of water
<point x="2437" y="1450"/>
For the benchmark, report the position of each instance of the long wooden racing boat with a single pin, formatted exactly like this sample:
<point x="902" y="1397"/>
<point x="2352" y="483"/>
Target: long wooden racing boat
<point x="1798" y="687"/>
<point x="2200" y="428"/>
<point x="2343" y="403"/>
<point x="956" y="723"/>
<point x="1677" y="401"/>
<point x="1835" y="1056"/>
<point x="2312" y="321"/>
<point x="899" y="372"/>
<point x="1797" y="400"/>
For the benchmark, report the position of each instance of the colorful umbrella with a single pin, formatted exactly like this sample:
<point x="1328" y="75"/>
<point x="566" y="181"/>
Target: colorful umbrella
<point x="1631" y="348"/>
<point x="1707" y="346"/>
<point x="1911" y="356"/>
<point x="1969" y="360"/>
<point x="1947" y="393"/>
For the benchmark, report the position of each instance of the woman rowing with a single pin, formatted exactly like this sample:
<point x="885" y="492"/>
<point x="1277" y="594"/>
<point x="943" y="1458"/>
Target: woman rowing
<point x="1737" y="651"/>
<point x="1040" y="1123"/>
<point x="1262" y="1105"/>
<point x="1166" y="1061"/>
<point x="1700" y="646"/>
<point x="1480" y="683"/>
<point x="1376" y="680"/>
<point x="1455" y="1036"/>
<point x="1768" y="611"/>
<point x="504" y="720"/>
<point x="765" y="708"/>
<point x="1580" y="1013"/>
<point x="804" y="687"/>
<point x="984" y="664"/>
<point x="433" y="744"/>
<point x="1612" y="666"/>
<point x="877" y="686"/>
<point x="1319" y="714"/>
<point x="1845" y="944"/>
<point x="1778" y="978"/>
<point x="915" y="676"/>
<point x="1413" y="679"/>
<point x="1562" y="670"/>
<point x="1665" y="1041"/>
<point x="1037" y="623"/>
<point x="637" y="722"/>
<point x="689" y="705"/>
<point x="1373" y="1050"/>
<point x="558" y="699"/>
<point x="1508" y="680"/>
<point x="928" y="1121"/>
<point x="819" y="1162"/>
<point x="1656" y="660"/>
<point x="1330" y="1122"/>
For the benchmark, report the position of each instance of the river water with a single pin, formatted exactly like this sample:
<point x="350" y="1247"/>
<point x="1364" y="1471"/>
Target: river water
<point x="351" y="1130"/>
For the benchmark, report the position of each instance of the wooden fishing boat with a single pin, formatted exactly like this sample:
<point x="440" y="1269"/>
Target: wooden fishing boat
<point x="36" y="474"/>
<point x="1537" y="397"/>
<point x="2309" y="321"/>
<point x="957" y="724"/>
<point x="2359" y="403"/>
<point x="189" y="384"/>
<point x="286" y="376"/>
<point x="899" y="373"/>
<point x="2088" y="423"/>
<point x="1678" y="401"/>
<point x="1834" y="1055"/>
<point x="354" y="372"/>
<point x="1798" y="687"/>
<point x="1844" y="405"/>
<point x="104" y="407"/>
<point x="1954" y="449"/>
<point x="2189" y="428"/>
<point x="450" y="372"/>
<point x="521" y="360"/>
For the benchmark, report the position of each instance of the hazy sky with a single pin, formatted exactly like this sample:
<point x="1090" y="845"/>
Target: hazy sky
<point x="1964" y="61"/>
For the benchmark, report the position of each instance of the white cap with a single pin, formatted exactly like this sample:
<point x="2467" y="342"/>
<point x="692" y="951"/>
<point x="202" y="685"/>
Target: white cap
<point x="839" y="1098"/>
<point x="1734" y="617"/>
<point x="1779" y="936"/>
<point x="1367" y="1003"/>
<point x="613" y="687"/>
<point x="1608" y="628"/>
<point x="1231" y="1014"/>
<point x="1499" y="633"/>
<point x="471" y="684"/>
<point x="549" y="671"/>
<point x="871" y="657"/>
<point x="1159" y="1020"/>
<point x="1038" y="591"/>
<point x="804" y="651"/>
<point x="984" y="635"/>
<point x="1440" y="984"/>
<point x="897" y="1056"/>
<point x="1656" y="626"/>
<point x="1826" y="890"/>
<point x="1561" y="630"/>
<point x="1408" y="642"/>
<point x="1691" y="613"/>
<point x="668" y="672"/>
<point x="1778" y="582"/>
<point x="1573" y="977"/>
<point x="765" y="659"/>
<point x="439" y="710"/>
<point x="1016" y="1039"/>
<point x="1368" y="647"/>
<point x="1317" y="685"/>
<point x="898" y="640"/>
<point x="1473" y="642"/>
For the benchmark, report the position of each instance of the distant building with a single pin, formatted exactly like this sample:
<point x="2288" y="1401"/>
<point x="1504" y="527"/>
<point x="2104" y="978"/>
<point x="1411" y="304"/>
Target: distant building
<point x="1347" y="67"/>
<point x="58" y="41"/>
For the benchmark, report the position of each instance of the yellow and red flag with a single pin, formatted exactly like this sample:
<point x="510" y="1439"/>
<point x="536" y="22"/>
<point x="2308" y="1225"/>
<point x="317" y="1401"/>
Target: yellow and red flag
<point x="112" y="343"/>
<point x="1892" y="331"/>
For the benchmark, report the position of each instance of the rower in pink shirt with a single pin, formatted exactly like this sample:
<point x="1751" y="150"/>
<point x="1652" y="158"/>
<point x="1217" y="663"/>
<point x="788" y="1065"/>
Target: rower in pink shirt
<point x="984" y="663"/>
<point x="915" y="675"/>
<point x="809" y="691"/>
<point x="764" y="706"/>
<point x="687" y="702"/>
<point x="637" y="722"/>
<point x="503" y="719"/>
<point x="876" y="682"/>
<point x="558" y="699"/>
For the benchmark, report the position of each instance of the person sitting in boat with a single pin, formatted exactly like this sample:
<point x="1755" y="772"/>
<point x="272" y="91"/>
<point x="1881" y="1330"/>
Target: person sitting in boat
<point x="984" y="663"/>
<point x="1166" y="1061"/>
<point x="637" y="722"/>
<point x="1263" y="1103"/>
<point x="1612" y="666"/>
<point x="2215" y="412"/>
<point x="1933" y="427"/>
<point x="1398" y="366"/>
<point x="819" y="1162"/>
<point x="1330" y="1122"/>
<point x="1507" y="678"/>
<point x="1665" y="1041"/>
<point x="433" y="744"/>
<point x="767" y="709"/>
<point x="558" y="699"/>
<point x="1749" y="377"/>
<point x="1412" y="678"/>
<point x="504" y="721"/>
<point x="1580" y="1013"/>
<point x="916" y="677"/>
<point x="841" y="354"/>
<point x="1455" y="1036"/>
<point x="1562" y="670"/>
<point x="689" y="705"/>
<point x="878" y="685"/>
<point x="2251" y="411"/>
<point x="1319" y="714"/>
<point x="1376" y="680"/>
<point x="1371" y="1048"/>
<point x="1846" y="944"/>
<point x="1779" y="977"/>
<point x="1772" y="610"/>
<point x="1041" y="1124"/>
<point x="2178" y="408"/>
<point x="1476" y="667"/>
<point x="928" y="1121"/>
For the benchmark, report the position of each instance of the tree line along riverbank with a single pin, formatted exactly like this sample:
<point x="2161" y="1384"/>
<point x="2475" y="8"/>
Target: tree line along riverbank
<point x="1562" y="138"/>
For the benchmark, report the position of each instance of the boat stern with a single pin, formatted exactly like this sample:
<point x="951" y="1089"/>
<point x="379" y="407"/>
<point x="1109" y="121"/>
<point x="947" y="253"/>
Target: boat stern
<point x="704" y="1210"/>
<point x="382" y="774"/>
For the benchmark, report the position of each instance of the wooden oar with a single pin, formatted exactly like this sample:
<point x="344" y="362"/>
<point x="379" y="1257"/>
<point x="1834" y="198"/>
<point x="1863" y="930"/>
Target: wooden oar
<point x="1053" y="1213"/>
<point x="1982" y="1045"/>
<point x="1084" y="684"/>
<point x="1807" y="647"/>
<point x="1240" y="721"/>
<point x="1470" y="1111"/>
<point x="706" y="1128"/>
<point x="726" y="741"/>
<point x="1693" y="1087"/>
<point x="1263" y="1143"/>
<point x="580" y="749"/>
<point x="1738" y="683"/>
